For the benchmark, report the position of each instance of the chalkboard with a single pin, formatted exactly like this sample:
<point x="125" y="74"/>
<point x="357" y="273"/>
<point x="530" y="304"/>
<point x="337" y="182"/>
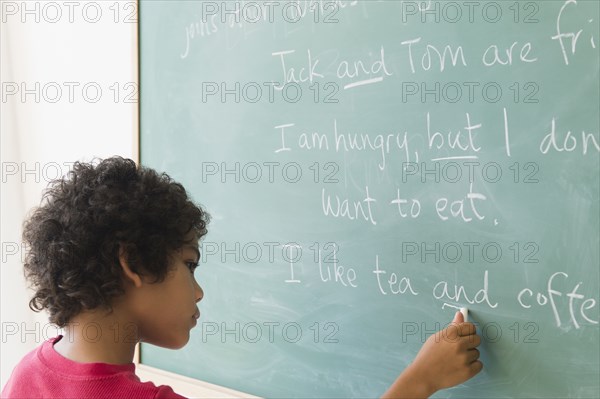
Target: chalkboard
<point x="370" y="166"/>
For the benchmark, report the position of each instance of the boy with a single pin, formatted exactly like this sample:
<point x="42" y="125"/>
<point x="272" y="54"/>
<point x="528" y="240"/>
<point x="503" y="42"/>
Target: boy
<point x="113" y="249"/>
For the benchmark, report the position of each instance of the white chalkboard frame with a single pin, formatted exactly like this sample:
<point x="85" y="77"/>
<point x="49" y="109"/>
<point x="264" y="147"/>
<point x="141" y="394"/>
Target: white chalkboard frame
<point x="186" y="386"/>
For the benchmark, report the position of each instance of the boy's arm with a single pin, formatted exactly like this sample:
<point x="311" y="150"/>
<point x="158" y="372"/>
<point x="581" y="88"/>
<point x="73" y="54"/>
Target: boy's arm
<point x="447" y="358"/>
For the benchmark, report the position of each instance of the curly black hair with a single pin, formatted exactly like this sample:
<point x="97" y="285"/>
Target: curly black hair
<point x="75" y="235"/>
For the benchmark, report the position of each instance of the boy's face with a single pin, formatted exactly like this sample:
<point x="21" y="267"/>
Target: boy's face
<point x="167" y="311"/>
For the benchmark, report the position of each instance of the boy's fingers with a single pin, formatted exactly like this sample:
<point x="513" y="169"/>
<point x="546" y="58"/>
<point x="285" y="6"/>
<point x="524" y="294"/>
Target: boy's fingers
<point x="465" y="329"/>
<point x="472" y="355"/>
<point x="475" y="367"/>
<point x="469" y="342"/>
<point x="459" y="330"/>
<point x="473" y="341"/>
<point x="458" y="318"/>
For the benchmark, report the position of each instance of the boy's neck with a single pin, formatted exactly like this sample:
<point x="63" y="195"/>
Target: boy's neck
<point x="98" y="337"/>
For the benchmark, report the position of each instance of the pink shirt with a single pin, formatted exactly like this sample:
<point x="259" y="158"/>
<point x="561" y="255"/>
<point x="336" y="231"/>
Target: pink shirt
<point x="44" y="373"/>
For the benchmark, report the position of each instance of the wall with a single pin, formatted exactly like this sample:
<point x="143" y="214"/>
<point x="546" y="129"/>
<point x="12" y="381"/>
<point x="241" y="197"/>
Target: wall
<point x="48" y="48"/>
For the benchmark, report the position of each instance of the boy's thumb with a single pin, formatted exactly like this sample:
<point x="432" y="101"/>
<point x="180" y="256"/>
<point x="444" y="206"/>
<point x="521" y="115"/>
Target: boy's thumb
<point x="458" y="318"/>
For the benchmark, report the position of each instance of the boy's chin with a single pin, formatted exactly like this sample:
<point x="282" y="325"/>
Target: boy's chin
<point x="171" y="342"/>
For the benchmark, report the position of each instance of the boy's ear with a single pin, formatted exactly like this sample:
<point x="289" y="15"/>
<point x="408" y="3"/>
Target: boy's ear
<point x="129" y="274"/>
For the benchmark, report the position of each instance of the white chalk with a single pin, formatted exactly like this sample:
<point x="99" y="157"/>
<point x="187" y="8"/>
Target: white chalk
<point x="465" y="313"/>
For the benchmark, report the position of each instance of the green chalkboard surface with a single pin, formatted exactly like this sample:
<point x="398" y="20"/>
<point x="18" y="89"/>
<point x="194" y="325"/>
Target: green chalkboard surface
<point x="369" y="167"/>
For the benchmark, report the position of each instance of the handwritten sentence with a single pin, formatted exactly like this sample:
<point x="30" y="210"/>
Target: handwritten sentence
<point x="420" y="57"/>
<point x="458" y="142"/>
<point x="568" y="305"/>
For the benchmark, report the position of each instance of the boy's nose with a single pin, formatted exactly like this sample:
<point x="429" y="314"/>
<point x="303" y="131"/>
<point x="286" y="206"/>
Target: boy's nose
<point x="199" y="292"/>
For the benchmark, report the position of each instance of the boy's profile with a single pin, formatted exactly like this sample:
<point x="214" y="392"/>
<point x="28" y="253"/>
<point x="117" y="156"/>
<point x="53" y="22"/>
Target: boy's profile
<point x="113" y="248"/>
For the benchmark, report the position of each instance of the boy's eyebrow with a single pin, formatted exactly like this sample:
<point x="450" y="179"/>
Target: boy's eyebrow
<point x="195" y="248"/>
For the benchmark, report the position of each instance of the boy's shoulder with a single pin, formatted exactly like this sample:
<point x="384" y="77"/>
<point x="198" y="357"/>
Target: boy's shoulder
<point x="43" y="372"/>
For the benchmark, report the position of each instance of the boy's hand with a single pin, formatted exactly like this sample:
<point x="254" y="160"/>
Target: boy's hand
<point x="447" y="358"/>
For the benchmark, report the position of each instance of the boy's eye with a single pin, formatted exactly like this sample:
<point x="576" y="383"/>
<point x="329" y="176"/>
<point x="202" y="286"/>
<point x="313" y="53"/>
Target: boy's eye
<point x="192" y="266"/>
